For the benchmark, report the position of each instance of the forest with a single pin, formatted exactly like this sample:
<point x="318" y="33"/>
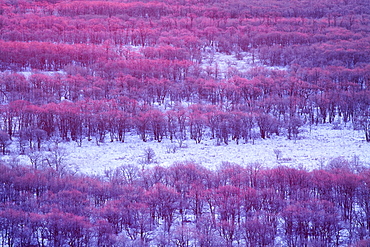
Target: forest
<point x="187" y="205"/>
<point x="100" y="70"/>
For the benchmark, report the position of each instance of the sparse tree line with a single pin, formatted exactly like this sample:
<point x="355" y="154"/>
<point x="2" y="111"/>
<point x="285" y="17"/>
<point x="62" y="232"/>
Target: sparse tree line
<point x="31" y="126"/>
<point x="186" y="205"/>
<point x="238" y="109"/>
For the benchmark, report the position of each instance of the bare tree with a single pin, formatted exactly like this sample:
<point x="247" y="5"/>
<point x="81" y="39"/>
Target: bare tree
<point x="125" y="174"/>
<point x="293" y="125"/>
<point x="362" y="122"/>
<point x="4" y="141"/>
<point x="56" y="160"/>
<point x="34" y="136"/>
<point x="35" y="158"/>
<point x="277" y="153"/>
<point x="148" y="156"/>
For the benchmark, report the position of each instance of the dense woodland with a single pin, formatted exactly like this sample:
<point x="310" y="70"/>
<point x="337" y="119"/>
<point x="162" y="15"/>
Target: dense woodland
<point x="117" y="67"/>
<point x="187" y="205"/>
<point x="98" y="70"/>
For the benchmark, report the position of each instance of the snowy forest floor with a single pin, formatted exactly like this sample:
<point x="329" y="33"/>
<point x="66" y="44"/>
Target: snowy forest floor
<point x="314" y="148"/>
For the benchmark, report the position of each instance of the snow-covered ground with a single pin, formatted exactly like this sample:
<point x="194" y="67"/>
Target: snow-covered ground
<point x="226" y="64"/>
<point x="27" y="74"/>
<point x="313" y="149"/>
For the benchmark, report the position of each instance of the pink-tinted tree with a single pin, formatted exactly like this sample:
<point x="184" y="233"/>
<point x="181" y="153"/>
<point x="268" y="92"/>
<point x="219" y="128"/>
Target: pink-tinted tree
<point x="163" y="202"/>
<point x="14" y="227"/>
<point x="157" y="124"/>
<point x="67" y="229"/>
<point x="197" y="122"/>
<point x="267" y="125"/>
<point x="258" y="231"/>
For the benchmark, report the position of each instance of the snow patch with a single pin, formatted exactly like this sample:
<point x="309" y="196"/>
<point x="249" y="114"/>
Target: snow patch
<point x="221" y="65"/>
<point x="313" y="150"/>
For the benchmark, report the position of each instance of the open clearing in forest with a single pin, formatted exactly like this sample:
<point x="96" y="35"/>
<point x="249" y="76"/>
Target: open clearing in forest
<point x="313" y="149"/>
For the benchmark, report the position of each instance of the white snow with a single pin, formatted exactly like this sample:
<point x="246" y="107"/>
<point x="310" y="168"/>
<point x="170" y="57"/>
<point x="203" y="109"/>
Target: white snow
<point x="312" y="150"/>
<point x="27" y="74"/>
